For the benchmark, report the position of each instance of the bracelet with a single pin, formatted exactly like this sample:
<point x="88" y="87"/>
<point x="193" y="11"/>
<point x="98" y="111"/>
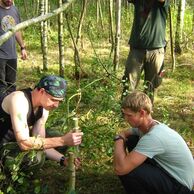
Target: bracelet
<point x="117" y="137"/>
<point x="62" y="161"/>
<point x="23" y="48"/>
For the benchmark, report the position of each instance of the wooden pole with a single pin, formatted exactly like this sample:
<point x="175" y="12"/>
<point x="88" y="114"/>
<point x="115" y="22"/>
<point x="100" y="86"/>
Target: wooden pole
<point x="71" y="165"/>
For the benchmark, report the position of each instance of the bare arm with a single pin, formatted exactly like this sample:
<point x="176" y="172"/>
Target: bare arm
<point x="125" y="162"/>
<point x="20" y="41"/>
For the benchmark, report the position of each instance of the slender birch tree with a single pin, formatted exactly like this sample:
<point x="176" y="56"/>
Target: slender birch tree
<point x="117" y="35"/>
<point x="44" y="34"/>
<point x="179" y="26"/>
<point x="61" y="41"/>
<point x="111" y="33"/>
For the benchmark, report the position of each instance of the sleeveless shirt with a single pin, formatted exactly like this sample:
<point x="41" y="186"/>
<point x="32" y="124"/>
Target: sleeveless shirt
<point x="6" y="131"/>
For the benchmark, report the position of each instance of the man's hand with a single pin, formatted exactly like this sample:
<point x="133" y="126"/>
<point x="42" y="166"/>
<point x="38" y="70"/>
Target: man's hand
<point x="77" y="162"/>
<point x="23" y="54"/>
<point x="73" y="138"/>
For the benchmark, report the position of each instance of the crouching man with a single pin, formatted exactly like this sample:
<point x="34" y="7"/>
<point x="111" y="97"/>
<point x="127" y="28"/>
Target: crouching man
<point x="23" y="115"/>
<point x="157" y="159"/>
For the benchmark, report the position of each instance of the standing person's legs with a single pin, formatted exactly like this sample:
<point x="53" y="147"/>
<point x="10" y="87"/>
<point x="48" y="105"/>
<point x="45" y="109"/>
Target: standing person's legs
<point x="152" y="66"/>
<point x="11" y="70"/>
<point x="3" y="84"/>
<point x="133" y="68"/>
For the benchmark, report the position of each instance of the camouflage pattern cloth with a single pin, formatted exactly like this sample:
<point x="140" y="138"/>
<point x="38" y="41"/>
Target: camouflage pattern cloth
<point x="54" y="85"/>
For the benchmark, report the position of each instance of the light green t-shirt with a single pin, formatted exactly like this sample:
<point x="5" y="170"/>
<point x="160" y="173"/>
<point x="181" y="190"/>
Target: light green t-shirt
<point x="169" y="149"/>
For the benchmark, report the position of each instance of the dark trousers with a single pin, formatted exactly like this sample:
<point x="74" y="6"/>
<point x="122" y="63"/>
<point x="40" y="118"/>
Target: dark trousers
<point x="150" y="178"/>
<point x="8" y="68"/>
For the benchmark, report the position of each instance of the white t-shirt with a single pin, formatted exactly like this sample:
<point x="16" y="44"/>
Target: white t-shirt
<point x="169" y="149"/>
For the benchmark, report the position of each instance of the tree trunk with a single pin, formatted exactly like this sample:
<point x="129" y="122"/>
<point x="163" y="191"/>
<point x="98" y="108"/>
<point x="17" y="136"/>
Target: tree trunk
<point x="179" y="26"/>
<point x="83" y="12"/>
<point x="193" y="19"/>
<point x="171" y="41"/>
<point x="76" y="50"/>
<point x="111" y="34"/>
<point x="99" y="17"/>
<point x="44" y="35"/>
<point x="61" y="42"/>
<point x="117" y="35"/>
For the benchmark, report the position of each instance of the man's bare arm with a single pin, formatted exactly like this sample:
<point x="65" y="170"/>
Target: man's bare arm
<point x="125" y="162"/>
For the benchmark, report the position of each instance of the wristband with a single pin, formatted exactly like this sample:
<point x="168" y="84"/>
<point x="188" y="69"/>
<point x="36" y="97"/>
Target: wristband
<point x="62" y="161"/>
<point x="117" y="137"/>
<point x="23" y="48"/>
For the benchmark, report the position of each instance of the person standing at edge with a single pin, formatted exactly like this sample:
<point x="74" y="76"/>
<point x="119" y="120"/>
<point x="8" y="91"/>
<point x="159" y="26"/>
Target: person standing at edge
<point x="9" y="17"/>
<point x="158" y="160"/>
<point x="23" y="115"/>
<point x="147" y="43"/>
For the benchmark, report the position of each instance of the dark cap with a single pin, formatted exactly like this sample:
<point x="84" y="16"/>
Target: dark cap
<point x="53" y="85"/>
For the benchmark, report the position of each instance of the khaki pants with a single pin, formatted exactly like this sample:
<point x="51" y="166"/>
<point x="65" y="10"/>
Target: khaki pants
<point x="149" y="61"/>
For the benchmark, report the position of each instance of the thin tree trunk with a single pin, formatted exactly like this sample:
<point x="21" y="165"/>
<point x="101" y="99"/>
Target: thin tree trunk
<point x="45" y="38"/>
<point x="111" y="34"/>
<point x="97" y="11"/>
<point x="117" y="35"/>
<point x="76" y="52"/>
<point x="193" y="19"/>
<point x="101" y="15"/>
<point x="171" y="41"/>
<point x="83" y="12"/>
<point x="61" y="42"/>
<point x="179" y="27"/>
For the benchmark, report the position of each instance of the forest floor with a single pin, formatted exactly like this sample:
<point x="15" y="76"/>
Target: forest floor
<point x="174" y="105"/>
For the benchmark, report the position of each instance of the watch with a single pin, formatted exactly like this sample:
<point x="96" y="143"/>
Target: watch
<point x="62" y="161"/>
<point x="23" y="48"/>
<point x="117" y="137"/>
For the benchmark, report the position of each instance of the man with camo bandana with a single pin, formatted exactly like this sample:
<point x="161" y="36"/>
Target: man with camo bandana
<point x="25" y="112"/>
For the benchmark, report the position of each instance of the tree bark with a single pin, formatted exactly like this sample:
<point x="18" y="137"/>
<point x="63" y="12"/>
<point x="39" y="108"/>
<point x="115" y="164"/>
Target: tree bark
<point x="111" y="34"/>
<point x="61" y="41"/>
<point x="83" y="12"/>
<point x="171" y="41"/>
<point x="44" y="35"/>
<point x="117" y="35"/>
<point x="179" y="27"/>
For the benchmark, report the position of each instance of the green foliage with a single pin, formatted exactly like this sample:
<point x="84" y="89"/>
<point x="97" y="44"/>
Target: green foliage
<point x="14" y="179"/>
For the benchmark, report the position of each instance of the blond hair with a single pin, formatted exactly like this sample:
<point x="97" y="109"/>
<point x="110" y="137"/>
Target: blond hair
<point x="136" y="101"/>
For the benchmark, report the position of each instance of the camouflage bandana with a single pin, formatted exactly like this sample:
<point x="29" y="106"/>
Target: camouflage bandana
<point x="53" y="85"/>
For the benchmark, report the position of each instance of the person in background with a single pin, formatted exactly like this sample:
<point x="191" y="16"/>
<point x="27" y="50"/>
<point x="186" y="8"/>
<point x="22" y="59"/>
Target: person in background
<point x="9" y="17"/>
<point x="151" y="158"/>
<point x="147" y="45"/>
<point x="23" y="115"/>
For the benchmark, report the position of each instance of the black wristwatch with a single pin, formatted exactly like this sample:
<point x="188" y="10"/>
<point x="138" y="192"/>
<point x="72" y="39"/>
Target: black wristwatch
<point x="23" y="48"/>
<point x="117" y="137"/>
<point x="62" y="161"/>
